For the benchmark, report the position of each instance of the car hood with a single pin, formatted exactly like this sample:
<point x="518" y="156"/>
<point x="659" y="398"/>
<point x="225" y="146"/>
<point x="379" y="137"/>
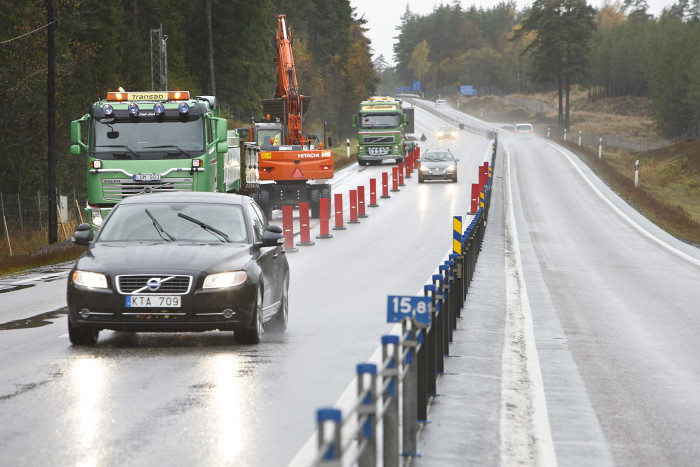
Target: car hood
<point x="166" y="257"/>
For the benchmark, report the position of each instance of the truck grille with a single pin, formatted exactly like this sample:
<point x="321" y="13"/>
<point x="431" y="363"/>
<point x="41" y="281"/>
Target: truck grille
<point x="379" y="150"/>
<point x="116" y="190"/>
<point x="378" y="139"/>
<point x="167" y="285"/>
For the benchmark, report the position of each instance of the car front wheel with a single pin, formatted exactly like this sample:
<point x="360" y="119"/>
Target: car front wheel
<point x="80" y="335"/>
<point x="252" y="334"/>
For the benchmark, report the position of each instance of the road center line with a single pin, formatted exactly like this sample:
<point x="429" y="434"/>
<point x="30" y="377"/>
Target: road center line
<point x="525" y="433"/>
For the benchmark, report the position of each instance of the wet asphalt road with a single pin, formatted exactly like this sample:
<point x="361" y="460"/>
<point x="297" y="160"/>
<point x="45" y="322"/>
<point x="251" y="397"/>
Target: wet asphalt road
<point x="200" y="399"/>
<point x="614" y="314"/>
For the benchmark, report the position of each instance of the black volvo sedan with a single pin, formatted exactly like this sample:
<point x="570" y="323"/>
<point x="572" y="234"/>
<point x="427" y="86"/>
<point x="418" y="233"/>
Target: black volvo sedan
<point x="177" y="262"/>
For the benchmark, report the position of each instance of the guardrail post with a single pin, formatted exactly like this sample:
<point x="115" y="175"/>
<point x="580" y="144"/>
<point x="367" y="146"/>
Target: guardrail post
<point x="431" y="342"/>
<point x="441" y="307"/>
<point x="451" y="292"/>
<point x="410" y="394"/>
<point x="459" y="292"/>
<point x="368" y="409"/>
<point x="390" y="419"/>
<point x="332" y="454"/>
<point x="448" y="300"/>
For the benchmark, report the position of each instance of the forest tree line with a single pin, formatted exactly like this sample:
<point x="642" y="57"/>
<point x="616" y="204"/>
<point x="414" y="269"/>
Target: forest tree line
<point x="616" y="50"/>
<point x="101" y="46"/>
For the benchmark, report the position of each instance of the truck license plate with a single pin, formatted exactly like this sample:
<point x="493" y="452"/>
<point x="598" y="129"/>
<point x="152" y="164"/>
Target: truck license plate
<point x="153" y="301"/>
<point x="146" y="177"/>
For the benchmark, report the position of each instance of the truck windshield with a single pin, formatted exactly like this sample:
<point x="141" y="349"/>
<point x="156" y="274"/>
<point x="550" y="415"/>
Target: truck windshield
<point x="148" y="138"/>
<point x="379" y="120"/>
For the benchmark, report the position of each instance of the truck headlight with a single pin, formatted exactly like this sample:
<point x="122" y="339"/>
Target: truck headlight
<point x="96" y="216"/>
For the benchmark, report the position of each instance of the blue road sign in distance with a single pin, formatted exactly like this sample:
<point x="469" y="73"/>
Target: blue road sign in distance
<point x="403" y="306"/>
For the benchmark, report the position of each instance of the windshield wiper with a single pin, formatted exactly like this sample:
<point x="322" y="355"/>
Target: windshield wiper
<point x="123" y="146"/>
<point x="174" y="146"/>
<point x="159" y="228"/>
<point x="205" y="226"/>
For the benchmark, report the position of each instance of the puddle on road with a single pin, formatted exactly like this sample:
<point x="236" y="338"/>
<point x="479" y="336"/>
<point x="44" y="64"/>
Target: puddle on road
<point x="43" y="319"/>
<point x="17" y="287"/>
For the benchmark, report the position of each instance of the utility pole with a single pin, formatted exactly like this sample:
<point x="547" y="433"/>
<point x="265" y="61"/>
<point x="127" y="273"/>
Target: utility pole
<point x="51" y="123"/>
<point x="159" y="60"/>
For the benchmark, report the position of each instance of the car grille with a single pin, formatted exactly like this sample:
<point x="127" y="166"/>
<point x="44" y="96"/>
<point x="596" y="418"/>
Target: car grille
<point x="379" y="150"/>
<point x="437" y="171"/>
<point x="117" y="190"/>
<point x="168" y="285"/>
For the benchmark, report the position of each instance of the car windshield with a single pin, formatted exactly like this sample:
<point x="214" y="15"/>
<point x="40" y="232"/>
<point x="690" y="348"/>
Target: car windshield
<point x="438" y="156"/>
<point x="148" y="138"/>
<point x="148" y="222"/>
<point x="526" y="127"/>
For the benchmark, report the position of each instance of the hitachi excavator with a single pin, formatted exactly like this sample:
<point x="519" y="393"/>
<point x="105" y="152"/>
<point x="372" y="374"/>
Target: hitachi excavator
<point x="292" y="168"/>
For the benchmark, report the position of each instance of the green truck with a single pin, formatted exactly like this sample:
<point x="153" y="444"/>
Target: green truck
<point x="146" y="142"/>
<point x="382" y="125"/>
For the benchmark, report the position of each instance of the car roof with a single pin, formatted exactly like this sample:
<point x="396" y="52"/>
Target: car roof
<point x="185" y="197"/>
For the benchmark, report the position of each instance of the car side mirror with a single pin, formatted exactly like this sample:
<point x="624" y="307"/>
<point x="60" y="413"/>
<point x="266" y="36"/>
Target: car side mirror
<point x="271" y="237"/>
<point x="82" y="235"/>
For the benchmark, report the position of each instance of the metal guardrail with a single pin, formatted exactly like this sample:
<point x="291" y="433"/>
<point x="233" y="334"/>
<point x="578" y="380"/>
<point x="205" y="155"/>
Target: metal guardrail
<point x="393" y="397"/>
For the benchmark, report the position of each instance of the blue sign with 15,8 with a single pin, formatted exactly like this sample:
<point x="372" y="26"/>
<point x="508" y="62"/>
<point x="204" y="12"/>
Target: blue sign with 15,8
<point x="401" y="306"/>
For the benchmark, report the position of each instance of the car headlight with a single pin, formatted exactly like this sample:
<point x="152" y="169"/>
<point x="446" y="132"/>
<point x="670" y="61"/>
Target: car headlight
<point x="94" y="280"/>
<point x="424" y="168"/>
<point x="451" y="168"/>
<point x="224" y="279"/>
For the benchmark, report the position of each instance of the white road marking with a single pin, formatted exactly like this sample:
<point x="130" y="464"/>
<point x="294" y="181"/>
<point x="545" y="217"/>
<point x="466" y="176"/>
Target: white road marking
<point x="526" y="437"/>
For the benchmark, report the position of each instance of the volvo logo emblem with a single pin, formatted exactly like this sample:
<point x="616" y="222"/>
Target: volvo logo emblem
<point x="153" y="284"/>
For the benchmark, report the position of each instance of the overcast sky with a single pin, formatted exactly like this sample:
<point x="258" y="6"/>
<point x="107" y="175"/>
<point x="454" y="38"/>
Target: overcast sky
<point x="383" y="16"/>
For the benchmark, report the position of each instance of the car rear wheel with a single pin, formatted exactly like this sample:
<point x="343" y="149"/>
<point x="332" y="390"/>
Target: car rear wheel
<point x="253" y="333"/>
<point x="80" y="335"/>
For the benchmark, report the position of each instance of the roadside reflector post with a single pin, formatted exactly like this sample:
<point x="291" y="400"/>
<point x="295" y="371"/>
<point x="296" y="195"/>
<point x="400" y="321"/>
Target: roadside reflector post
<point x="385" y="185"/>
<point x="324" y="218"/>
<point x="338" y="207"/>
<point x="394" y="179"/>
<point x="361" y="201"/>
<point x="400" y="171"/>
<point x="579" y="137"/>
<point x="367" y="391"/>
<point x="353" y="208"/>
<point x="564" y="134"/>
<point x="373" y="193"/>
<point x="304" y="228"/>
<point x="288" y="228"/>
<point x="636" y="173"/>
<point x="600" y="148"/>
